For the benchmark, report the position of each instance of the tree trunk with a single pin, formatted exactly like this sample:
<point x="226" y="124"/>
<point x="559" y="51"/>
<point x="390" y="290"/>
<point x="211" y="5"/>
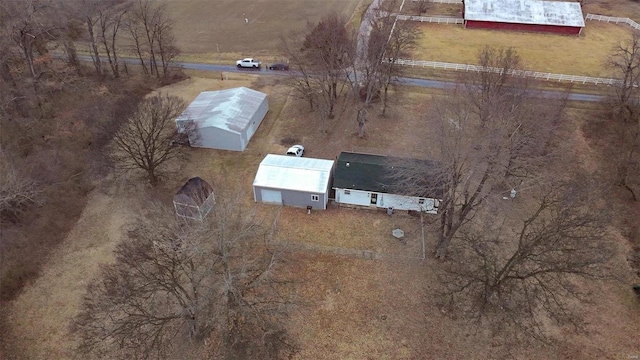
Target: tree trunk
<point x="384" y="99"/>
<point x="18" y="99"/>
<point x="362" y="118"/>
<point x="443" y="245"/>
<point x="153" y="178"/>
<point x="28" y="54"/>
<point x="94" y="47"/>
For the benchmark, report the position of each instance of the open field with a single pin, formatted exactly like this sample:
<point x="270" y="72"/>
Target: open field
<point x="585" y="55"/>
<point x="618" y="8"/>
<point x="353" y="308"/>
<point x="217" y="30"/>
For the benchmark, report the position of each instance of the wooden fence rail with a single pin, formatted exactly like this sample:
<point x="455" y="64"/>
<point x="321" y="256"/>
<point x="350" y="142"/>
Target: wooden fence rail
<point x="524" y="73"/>
<point x="432" y="19"/>
<point x="612" y="19"/>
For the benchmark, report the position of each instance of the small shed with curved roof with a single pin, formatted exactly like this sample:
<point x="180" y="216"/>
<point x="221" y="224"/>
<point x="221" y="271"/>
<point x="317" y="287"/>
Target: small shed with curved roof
<point x="194" y="200"/>
<point x="224" y="119"/>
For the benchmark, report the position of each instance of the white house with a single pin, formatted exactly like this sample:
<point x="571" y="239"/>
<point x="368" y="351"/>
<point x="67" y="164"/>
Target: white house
<point x="368" y="180"/>
<point x="225" y="119"/>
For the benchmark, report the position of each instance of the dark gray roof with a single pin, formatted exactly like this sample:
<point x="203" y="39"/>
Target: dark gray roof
<point x="194" y="192"/>
<point x="380" y="174"/>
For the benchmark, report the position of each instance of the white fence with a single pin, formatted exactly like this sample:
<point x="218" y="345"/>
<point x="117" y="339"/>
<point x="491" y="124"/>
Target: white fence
<point x="611" y="19"/>
<point x="525" y="73"/>
<point x="432" y="19"/>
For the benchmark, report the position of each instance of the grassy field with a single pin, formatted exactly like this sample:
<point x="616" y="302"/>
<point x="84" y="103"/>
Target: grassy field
<point x="584" y="55"/>
<point x="354" y="308"/>
<point x="617" y="8"/>
<point x="207" y="30"/>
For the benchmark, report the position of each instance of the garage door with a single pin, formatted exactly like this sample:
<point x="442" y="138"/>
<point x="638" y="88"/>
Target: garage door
<point x="271" y="196"/>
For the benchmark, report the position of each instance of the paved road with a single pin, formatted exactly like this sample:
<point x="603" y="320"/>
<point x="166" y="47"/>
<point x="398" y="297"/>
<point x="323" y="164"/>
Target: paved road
<point x="426" y="83"/>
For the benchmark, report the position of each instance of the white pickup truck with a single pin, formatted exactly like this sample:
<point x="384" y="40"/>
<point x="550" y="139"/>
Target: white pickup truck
<point x="248" y="63"/>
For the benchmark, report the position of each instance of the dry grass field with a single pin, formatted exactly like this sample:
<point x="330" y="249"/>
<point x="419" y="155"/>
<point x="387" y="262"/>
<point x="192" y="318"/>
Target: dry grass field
<point x="216" y="30"/>
<point x="585" y="55"/>
<point x="353" y="308"/>
<point x="618" y="8"/>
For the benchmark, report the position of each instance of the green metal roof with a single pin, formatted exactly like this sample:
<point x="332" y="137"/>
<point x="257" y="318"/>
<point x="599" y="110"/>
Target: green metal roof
<point x="379" y="174"/>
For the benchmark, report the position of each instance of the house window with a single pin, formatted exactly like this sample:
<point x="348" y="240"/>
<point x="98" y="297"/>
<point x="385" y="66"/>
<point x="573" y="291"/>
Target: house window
<point x="421" y="201"/>
<point x="315" y="198"/>
<point x="347" y="192"/>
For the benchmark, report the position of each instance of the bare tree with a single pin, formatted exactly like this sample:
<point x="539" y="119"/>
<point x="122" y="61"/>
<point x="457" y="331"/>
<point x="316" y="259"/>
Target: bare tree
<point x="374" y="71"/>
<point x="625" y="101"/>
<point x="401" y="43"/>
<point x="490" y="90"/>
<point x="366" y="75"/>
<point x="30" y="28"/>
<point x="517" y="277"/>
<point x="483" y="150"/>
<point x="176" y="283"/>
<point x="149" y="139"/>
<point x="302" y="82"/>
<point x="421" y="6"/>
<point x="109" y="23"/>
<point x="90" y="13"/>
<point x="12" y="96"/>
<point x="16" y="190"/>
<point x="325" y="53"/>
<point x="150" y="28"/>
<point x="167" y="45"/>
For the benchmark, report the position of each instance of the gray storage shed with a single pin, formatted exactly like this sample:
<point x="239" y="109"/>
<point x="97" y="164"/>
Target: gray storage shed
<point x="293" y="181"/>
<point x="225" y="119"/>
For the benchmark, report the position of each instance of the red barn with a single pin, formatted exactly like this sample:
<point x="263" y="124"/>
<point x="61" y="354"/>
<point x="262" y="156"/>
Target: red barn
<point x="524" y="15"/>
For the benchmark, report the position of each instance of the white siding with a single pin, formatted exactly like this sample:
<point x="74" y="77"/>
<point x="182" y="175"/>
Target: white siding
<point x="354" y="197"/>
<point x="400" y="202"/>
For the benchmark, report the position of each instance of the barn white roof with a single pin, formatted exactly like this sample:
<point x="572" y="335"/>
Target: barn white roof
<point x="230" y="109"/>
<point x="294" y="173"/>
<point x="525" y="12"/>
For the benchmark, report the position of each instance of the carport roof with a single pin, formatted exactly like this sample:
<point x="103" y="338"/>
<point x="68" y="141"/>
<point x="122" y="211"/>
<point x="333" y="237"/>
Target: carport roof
<point x="294" y="173"/>
<point x="557" y="13"/>
<point x="231" y="109"/>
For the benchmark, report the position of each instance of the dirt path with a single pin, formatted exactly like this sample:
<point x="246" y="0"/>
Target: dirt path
<point x="41" y="315"/>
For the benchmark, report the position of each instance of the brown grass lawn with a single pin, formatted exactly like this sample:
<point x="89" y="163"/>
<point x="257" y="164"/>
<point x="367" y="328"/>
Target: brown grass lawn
<point x="585" y="55"/>
<point x="617" y="8"/>
<point x="351" y="308"/>
<point x="204" y="28"/>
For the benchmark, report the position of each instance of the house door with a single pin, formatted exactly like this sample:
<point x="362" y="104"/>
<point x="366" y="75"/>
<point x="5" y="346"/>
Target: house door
<point x="374" y="199"/>
<point x="271" y="196"/>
